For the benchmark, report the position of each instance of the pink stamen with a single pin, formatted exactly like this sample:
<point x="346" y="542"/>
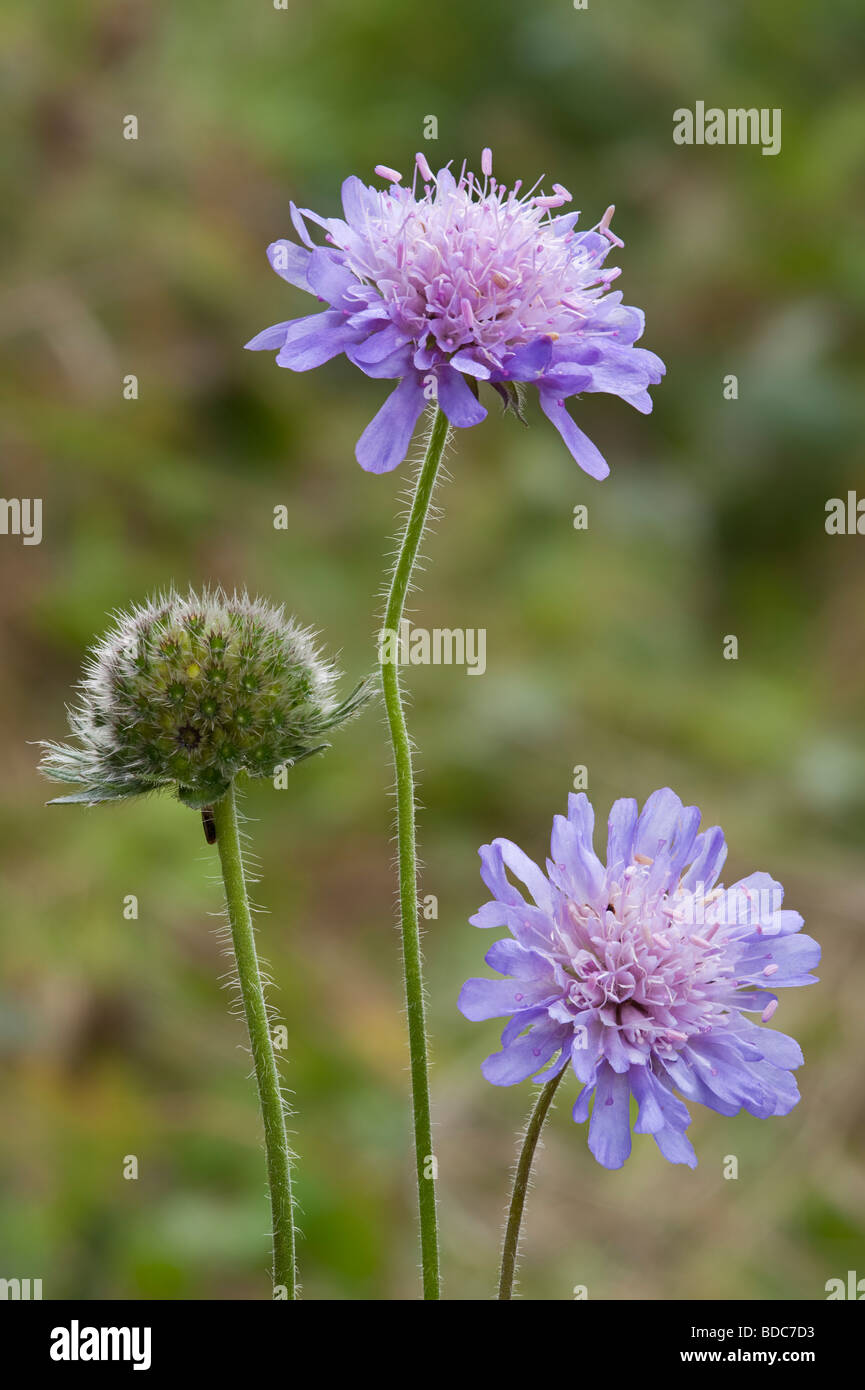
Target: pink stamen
<point x="423" y="167"/>
<point x="556" y="201"/>
<point x="771" y="970"/>
<point x="769" y="1011"/>
<point x="384" y="172"/>
<point x="486" y="162"/>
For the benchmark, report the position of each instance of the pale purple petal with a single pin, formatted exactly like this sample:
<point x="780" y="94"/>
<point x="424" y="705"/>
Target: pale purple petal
<point x="530" y="361"/>
<point x="526" y="1055"/>
<point x="621" y="827"/>
<point x="527" y="871"/>
<point x="380" y="345"/>
<point x="290" y="261"/>
<point x="385" y="441"/>
<point x="270" y="339"/>
<point x="311" y="341"/>
<point x="610" y="1125"/>
<point x="457" y="400"/>
<point x="581" y="447"/>
<point x="329" y="278"/>
<point x="710" y="853"/>
<point x="481" y="999"/>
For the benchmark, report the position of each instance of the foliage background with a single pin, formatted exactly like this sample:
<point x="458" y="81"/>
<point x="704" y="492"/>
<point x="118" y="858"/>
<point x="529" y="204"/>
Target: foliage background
<point x="604" y="646"/>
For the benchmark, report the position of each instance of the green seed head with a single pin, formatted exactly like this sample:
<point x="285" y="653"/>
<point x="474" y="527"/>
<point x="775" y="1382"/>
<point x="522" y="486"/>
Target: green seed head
<point x="189" y="692"/>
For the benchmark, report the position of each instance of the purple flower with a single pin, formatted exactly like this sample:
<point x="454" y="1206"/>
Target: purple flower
<point x="640" y="974"/>
<point x="464" y="283"/>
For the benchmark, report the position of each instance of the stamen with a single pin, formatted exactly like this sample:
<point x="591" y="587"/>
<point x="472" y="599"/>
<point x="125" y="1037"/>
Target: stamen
<point x="604" y="227"/>
<point x="487" y="162"/>
<point x="384" y="172"/>
<point x="769" y="1011"/>
<point x="423" y="167"/>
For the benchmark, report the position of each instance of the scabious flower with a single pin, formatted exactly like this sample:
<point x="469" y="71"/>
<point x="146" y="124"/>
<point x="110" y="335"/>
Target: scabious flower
<point x="640" y="974"/>
<point x="465" y="282"/>
<point x="188" y="692"/>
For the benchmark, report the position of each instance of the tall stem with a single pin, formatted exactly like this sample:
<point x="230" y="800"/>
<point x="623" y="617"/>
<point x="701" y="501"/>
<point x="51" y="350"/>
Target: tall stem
<point x="405" y="802"/>
<point x="264" y="1061"/>
<point x="521" y="1184"/>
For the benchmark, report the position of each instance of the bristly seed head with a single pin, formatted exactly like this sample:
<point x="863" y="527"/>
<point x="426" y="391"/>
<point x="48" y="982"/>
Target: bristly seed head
<point x="188" y="692"/>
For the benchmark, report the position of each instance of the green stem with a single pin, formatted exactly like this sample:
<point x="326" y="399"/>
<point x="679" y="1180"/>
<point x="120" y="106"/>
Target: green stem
<point x="405" y="801"/>
<point x="264" y="1061"/>
<point x="521" y="1185"/>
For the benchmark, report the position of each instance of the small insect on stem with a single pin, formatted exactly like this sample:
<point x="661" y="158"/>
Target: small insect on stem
<point x="209" y="824"/>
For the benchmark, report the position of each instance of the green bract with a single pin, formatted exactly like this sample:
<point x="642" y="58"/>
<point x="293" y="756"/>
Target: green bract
<point x="188" y="692"/>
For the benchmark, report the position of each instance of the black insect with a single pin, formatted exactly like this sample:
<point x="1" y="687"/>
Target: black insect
<point x="209" y="824"/>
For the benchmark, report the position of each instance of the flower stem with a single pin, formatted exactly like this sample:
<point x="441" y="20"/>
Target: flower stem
<point x="264" y="1061"/>
<point x="405" y="800"/>
<point x="521" y="1184"/>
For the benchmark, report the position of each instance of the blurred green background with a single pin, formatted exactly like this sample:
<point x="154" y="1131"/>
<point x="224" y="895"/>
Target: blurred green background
<point x="604" y="645"/>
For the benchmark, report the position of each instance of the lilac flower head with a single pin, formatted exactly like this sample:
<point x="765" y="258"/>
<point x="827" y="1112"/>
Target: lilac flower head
<point x="640" y="974"/>
<point x="456" y="282"/>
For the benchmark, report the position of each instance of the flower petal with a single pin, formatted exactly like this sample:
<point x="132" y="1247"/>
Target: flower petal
<point x="610" y="1126"/>
<point x="620" y="832"/>
<point x="581" y="447"/>
<point x="457" y="400"/>
<point x="290" y="261"/>
<point x="510" y="958"/>
<point x="530" y="361"/>
<point x="482" y="999"/>
<point x="526" y="1055"/>
<point x="657" y="822"/>
<point x="527" y="871"/>
<point x="313" y="340"/>
<point x="379" y="345"/>
<point x="385" y="441"/>
<point x="329" y="277"/>
<point x="270" y="339"/>
<point x="710" y="852"/>
<point x="359" y="202"/>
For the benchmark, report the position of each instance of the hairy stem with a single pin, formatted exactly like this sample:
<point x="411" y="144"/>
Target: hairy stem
<point x="511" y="1244"/>
<point x="264" y="1061"/>
<point x="405" y="800"/>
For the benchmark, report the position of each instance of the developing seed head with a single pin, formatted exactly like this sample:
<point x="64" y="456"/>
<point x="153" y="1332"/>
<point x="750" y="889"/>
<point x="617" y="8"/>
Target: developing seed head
<point x="188" y="692"/>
